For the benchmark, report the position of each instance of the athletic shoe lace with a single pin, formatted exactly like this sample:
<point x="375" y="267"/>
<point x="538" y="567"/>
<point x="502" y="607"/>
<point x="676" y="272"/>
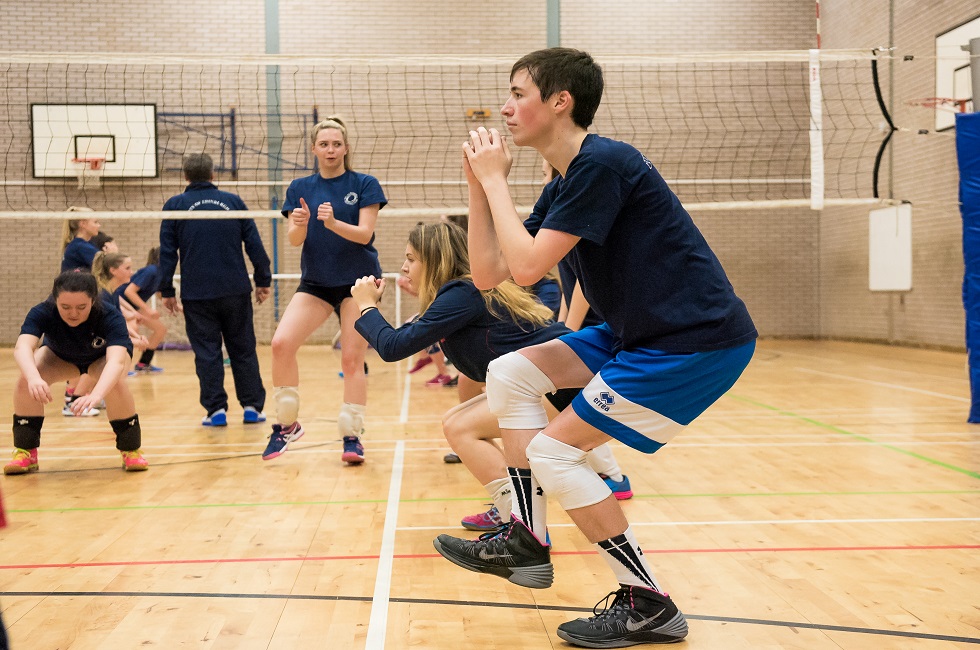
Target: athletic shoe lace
<point x="609" y="612"/>
<point x="486" y="537"/>
<point x="277" y="437"/>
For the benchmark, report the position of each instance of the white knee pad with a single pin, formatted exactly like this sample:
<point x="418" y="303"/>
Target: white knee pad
<point x="564" y="474"/>
<point x="514" y="390"/>
<point x="287" y="404"/>
<point x="602" y="461"/>
<point x="350" y="421"/>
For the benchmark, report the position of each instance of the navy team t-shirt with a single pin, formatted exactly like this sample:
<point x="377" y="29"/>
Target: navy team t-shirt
<point x="643" y="264"/>
<point x="469" y="333"/>
<point x="83" y="344"/>
<point x="147" y="279"/>
<point x="79" y="254"/>
<point x="329" y="260"/>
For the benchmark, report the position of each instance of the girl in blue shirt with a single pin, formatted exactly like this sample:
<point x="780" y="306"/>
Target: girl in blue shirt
<point x="475" y="328"/>
<point x="77" y="251"/>
<point x="332" y="215"/>
<point x="81" y="334"/>
<point x="136" y="293"/>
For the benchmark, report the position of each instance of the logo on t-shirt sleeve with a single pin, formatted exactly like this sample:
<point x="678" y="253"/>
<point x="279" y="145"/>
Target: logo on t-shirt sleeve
<point x="351" y="198"/>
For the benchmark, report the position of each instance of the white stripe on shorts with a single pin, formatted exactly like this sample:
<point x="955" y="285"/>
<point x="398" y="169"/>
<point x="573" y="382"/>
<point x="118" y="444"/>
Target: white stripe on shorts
<point x="646" y="422"/>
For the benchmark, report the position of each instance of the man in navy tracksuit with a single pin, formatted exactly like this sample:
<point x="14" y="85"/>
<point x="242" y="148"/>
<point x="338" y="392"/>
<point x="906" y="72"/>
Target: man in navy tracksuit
<point x="215" y="289"/>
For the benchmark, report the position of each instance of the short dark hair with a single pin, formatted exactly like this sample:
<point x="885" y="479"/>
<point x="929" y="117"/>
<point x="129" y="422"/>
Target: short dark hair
<point x="100" y="240"/>
<point x="198" y="167"/>
<point x="562" y="68"/>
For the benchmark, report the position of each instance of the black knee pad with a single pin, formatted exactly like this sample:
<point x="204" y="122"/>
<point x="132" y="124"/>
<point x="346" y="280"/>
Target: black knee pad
<point x="27" y="431"/>
<point x="128" y="433"/>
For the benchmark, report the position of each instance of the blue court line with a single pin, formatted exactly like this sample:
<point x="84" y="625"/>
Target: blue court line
<point x="856" y="436"/>
<point x="472" y="603"/>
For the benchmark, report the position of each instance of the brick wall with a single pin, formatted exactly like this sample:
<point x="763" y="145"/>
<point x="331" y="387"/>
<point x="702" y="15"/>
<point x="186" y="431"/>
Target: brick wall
<point x="801" y="273"/>
<point x="924" y="172"/>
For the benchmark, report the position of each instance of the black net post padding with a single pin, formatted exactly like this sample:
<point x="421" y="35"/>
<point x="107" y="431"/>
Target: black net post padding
<point x="891" y="128"/>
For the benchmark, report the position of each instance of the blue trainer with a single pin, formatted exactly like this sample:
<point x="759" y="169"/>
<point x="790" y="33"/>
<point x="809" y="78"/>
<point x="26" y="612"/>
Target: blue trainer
<point x="252" y="415"/>
<point x="280" y="438"/>
<point x="217" y="419"/>
<point x="620" y="489"/>
<point x="353" y="451"/>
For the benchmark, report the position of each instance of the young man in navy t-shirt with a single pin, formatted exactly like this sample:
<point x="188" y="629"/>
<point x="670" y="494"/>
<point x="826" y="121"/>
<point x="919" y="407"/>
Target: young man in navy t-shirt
<point x="668" y="349"/>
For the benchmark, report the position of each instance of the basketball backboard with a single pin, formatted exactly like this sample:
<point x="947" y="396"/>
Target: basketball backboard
<point x="124" y="134"/>
<point x="953" y="69"/>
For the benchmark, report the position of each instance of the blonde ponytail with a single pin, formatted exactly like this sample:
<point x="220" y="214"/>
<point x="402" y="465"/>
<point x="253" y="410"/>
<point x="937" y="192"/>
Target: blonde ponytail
<point x="103" y="264"/>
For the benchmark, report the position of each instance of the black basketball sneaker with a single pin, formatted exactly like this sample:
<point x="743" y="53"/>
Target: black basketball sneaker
<point x="636" y="616"/>
<point x="513" y="553"/>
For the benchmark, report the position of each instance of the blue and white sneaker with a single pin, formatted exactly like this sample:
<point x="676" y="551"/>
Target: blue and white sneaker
<point x="217" y="419"/>
<point x="280" y="438"/>
<point x="620" y="489"/>
<point x="353" y="451"/>
<point x="252" y="415"/>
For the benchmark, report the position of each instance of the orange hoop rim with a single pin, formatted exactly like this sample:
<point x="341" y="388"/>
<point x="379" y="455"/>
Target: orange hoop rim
<point x="94" y="163"/>
<point x="940" y="102"/>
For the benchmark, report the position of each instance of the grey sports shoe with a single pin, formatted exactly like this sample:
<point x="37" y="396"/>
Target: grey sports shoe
<point x="513" y="553"/>
<point x="636" y="616"/>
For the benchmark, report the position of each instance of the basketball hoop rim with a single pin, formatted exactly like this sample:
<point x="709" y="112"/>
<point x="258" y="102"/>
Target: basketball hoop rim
<point x="958" y="105"/>
<point x="94" y="163"/>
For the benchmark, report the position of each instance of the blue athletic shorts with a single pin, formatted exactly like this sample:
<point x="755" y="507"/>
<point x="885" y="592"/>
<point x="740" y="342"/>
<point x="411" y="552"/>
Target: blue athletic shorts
<point x="645" y="397"/>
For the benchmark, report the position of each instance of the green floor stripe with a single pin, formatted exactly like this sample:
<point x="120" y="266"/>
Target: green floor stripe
<point x="856" y="436"/>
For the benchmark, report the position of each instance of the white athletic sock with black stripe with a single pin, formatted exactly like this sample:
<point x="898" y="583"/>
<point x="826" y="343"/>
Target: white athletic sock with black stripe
<point x="623" y="555"/>
<point x="500" y="490"/>
<point x="530" y="505"/>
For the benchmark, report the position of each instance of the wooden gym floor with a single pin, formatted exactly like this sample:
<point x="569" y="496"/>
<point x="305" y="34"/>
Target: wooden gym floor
<point x="830" y="500"/>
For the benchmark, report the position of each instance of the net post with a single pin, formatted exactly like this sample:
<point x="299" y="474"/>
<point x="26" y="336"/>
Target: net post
<point x="816" y="134"/>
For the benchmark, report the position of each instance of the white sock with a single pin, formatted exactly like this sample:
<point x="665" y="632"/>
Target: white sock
<point x="623" y="555"/>
<point x="500" y="491"/>
<point x="530" y="505"/>
<point x="602" y="461"/>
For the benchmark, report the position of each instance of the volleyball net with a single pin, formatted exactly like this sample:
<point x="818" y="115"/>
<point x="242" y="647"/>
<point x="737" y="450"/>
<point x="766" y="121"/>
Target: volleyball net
<point x="743" y="129"/>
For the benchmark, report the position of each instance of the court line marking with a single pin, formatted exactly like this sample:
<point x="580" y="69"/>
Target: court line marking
<point x="883" y="384"/>
<point x="687" y="436"/>
<point x="406" y="395"/>
<point x="280" y="504"/>
<point x="423" y="556"/>
<point x="762" y="522"/>
<point x="318" y="448"/>
<point x="469" y="603"/>
<point x="377" y="627"/>
<point x="857" y="436"/>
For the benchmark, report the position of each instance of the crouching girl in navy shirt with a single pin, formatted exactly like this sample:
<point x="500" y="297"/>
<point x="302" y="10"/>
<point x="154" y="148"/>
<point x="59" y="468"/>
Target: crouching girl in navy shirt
<point x="475" y="328"/>
<point x="137" y="293"/>
<point x="81" y="334"/>
<point x="332" y="215"/>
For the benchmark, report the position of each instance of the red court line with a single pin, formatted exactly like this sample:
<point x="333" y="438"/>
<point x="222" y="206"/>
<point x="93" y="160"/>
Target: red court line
<point x="417" y="556"/>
